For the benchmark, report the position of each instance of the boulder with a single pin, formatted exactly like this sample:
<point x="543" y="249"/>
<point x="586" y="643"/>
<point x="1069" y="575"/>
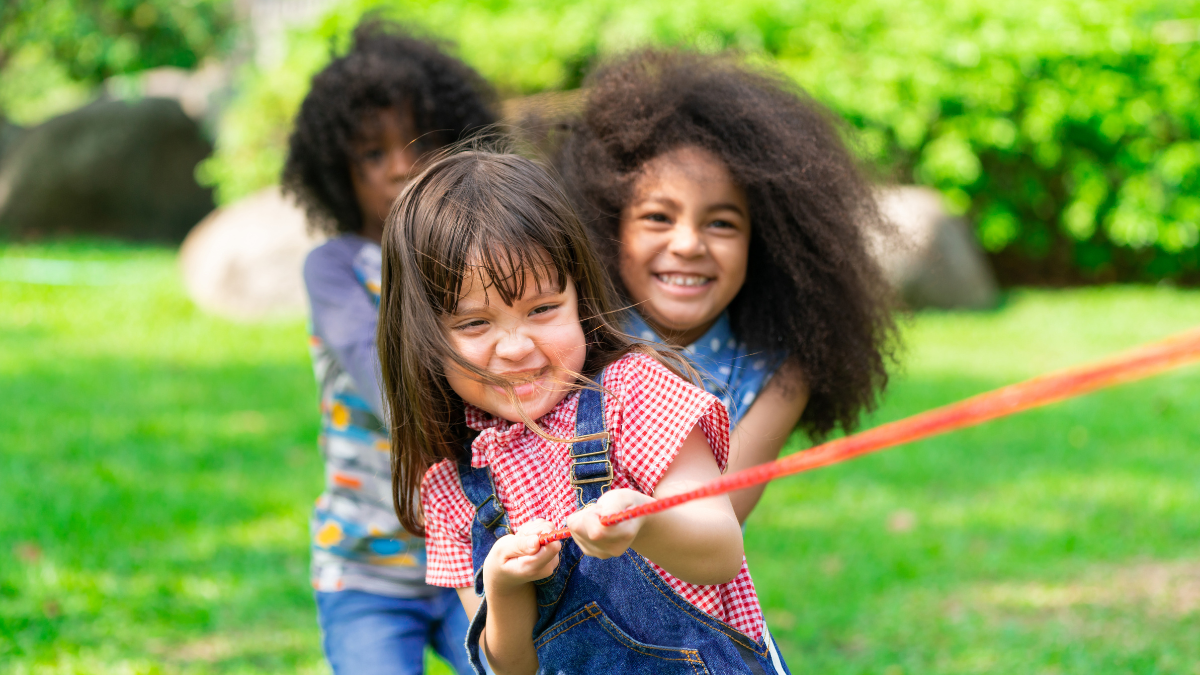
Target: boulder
<point x="199" y="92"/>
<point x="112" y="168"/>
<point x="933" y="260"/>
<point x="9" y="133"/>
<point x="244" y="261"/>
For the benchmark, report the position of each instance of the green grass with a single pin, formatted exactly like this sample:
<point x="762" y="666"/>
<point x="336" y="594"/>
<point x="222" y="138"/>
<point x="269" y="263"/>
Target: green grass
<point x="157" y="467"/>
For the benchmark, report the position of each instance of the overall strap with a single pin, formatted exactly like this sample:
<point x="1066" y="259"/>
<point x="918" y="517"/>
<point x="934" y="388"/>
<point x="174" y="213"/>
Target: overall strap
<point x="591" y="470"/>
<point x="490" y="521"/>
<point x="489" y="512"/>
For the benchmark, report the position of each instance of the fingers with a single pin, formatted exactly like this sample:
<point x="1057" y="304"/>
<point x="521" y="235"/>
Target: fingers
<point x="535" y="526"/>
<point x="615" y="501"/>
<point x="526" y="544"/>
<point x="598" y="540"/>
<point x="518" y="559"/>
<point x="529" y="560"/>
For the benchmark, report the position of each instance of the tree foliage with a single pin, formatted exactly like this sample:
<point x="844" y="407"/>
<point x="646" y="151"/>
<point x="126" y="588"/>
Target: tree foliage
<point x="58" y="43"/>
<point x="1068" y="130"/>
<point x="96" y="39"/>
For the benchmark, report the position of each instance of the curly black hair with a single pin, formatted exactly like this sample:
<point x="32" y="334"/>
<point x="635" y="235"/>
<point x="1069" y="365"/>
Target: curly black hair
<point x="812" y="289"/>
<point x="386" y="67"/>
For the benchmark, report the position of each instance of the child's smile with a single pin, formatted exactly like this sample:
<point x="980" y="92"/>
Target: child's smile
<point x="536" y="345"/>
<point x="685" y="240"/>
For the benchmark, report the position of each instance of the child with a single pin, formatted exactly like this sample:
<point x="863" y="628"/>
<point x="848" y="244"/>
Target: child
<point x="360" y="131"/>
<point x="732" y="217"/>
<point x="494" y="313"/>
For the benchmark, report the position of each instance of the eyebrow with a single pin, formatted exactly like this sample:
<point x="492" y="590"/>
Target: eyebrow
<point x="671" y="201"/>
<point x="655" y="198"/>
<point x="544" y="294"/>
<point x="537" y="296"/>
<point x="727" y="206"/>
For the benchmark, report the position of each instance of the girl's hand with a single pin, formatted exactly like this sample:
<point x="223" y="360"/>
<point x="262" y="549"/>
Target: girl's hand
<point x="518" y="559"/>
<point x="603" y="541"/>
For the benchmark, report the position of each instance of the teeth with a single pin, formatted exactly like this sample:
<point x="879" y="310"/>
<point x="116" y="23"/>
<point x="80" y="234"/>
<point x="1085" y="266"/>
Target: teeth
<point x="683" y="279"/>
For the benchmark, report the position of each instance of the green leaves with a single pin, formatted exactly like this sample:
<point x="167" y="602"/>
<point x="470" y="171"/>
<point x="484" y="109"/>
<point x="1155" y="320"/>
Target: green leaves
<point x="1052" y="123"/>
<point x="101" y="38"/>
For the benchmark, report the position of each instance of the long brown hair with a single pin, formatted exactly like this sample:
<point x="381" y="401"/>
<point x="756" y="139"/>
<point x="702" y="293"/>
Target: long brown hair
<point x="499" y="215"/>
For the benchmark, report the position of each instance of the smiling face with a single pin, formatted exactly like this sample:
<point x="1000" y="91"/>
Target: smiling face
<point x="685" y="240"/>
<point x="384" y="157"/>
<point x="536" y="344"/>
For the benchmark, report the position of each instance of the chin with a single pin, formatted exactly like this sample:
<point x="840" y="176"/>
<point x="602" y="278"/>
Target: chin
<point x="534" y="409"/>
<point x="680" y="321"/>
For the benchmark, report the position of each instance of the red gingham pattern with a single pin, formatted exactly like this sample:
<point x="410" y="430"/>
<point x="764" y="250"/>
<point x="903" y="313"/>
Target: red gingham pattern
<point x="648" y="411"/>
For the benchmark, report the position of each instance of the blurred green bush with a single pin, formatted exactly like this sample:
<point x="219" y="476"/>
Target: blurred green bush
<point x="1068" y="130"/>
<point x="54" y="52"/>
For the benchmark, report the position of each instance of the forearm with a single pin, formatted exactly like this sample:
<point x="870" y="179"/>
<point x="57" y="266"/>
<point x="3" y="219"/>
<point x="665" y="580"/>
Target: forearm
<point x="345" y="318"/>
<point x="697" y="542"/>
<point x="764" y="430"/>
<point x="745" y="500"/>
<point x="508" y="635"/>
<point x="748" y="449"/>
<point x="361" y="361"/>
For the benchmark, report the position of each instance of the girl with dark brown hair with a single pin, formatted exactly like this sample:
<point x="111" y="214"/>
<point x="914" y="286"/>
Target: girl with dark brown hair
<point x="731" y="215"/>
<point x="517" y="406"/>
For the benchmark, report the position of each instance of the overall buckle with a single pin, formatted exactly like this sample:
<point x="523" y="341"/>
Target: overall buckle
<point x="585" y="459"/>
<point x="496" y="514"/>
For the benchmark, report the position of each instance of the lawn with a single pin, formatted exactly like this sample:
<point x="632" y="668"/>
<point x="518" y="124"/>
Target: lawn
<point x="157" y="466"/>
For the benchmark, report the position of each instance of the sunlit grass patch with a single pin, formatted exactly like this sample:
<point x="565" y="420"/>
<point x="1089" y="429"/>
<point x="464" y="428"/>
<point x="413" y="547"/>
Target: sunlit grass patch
<point x="157" y="467"/>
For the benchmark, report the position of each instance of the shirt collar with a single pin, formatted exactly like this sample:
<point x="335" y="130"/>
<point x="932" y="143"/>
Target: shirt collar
<point x="479" y="419"/>
<point x="720" y="333"/>
<point x="496" y="433"/>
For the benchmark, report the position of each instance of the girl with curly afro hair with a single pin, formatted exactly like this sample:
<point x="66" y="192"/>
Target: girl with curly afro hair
<point x="734" y="219"/>
<point x="362" y="131"/>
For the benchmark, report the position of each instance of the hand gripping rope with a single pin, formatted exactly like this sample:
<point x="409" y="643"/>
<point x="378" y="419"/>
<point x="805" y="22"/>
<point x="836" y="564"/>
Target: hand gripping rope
<point x="1132" y="365"/>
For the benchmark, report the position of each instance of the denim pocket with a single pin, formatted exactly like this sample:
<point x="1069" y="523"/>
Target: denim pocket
<point x="587" y="641"/>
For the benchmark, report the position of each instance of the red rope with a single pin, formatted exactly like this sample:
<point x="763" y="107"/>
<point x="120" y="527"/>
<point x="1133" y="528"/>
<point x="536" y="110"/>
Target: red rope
<point x="1132" y="365"/>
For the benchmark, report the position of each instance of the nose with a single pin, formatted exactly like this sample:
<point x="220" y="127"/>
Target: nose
<point x="400" y="163"/>
<point x="685" y="240"/>
<point x="514" y="346"/>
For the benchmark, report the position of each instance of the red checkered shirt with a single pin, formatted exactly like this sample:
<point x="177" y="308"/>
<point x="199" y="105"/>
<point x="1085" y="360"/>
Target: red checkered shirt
<point x="648" y="412"/>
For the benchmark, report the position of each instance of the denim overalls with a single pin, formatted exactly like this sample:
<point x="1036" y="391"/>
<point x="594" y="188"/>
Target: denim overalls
<point x="607" y="616"/>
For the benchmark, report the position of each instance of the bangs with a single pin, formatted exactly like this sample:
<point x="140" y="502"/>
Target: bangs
<point x="511" y="241"/>
<point x="511" y="268"/>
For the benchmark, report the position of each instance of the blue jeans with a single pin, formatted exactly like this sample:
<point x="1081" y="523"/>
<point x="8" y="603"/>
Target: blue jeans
<point x="368" y="634"/>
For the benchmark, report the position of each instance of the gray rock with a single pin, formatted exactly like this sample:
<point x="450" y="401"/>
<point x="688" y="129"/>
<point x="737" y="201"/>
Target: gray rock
<point x="200" y="92"/>
<point x="934" y="259"/>
<point x="244" y="260"/>
<point x="112" y="168"/>
<point x="9" y="133"/>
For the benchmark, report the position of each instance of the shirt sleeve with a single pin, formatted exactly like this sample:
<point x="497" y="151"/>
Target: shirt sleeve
<point x="345" y="318"/>
<point x="655" y="410"/>
<point x="448" y="516"/>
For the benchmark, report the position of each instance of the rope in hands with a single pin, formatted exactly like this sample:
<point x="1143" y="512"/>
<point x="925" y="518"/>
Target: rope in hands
<point x="1135" y="364"/>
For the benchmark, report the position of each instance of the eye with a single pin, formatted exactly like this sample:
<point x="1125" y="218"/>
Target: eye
<point x="656" y="217"/>
<point x="542" y="309"/>
<point x="725" y="228"/>
<point x="468" y="325"/>
<point x="371" y="155"/>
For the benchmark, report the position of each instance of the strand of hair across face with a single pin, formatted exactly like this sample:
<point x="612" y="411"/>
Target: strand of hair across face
<point x="1135" y="364"/>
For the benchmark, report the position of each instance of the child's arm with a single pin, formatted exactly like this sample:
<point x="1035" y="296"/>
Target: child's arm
<point x="699" y="542"/>
<point x="759" y="436"/>
<point x="514" y="562"/>
<point x="344" y="317"/>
